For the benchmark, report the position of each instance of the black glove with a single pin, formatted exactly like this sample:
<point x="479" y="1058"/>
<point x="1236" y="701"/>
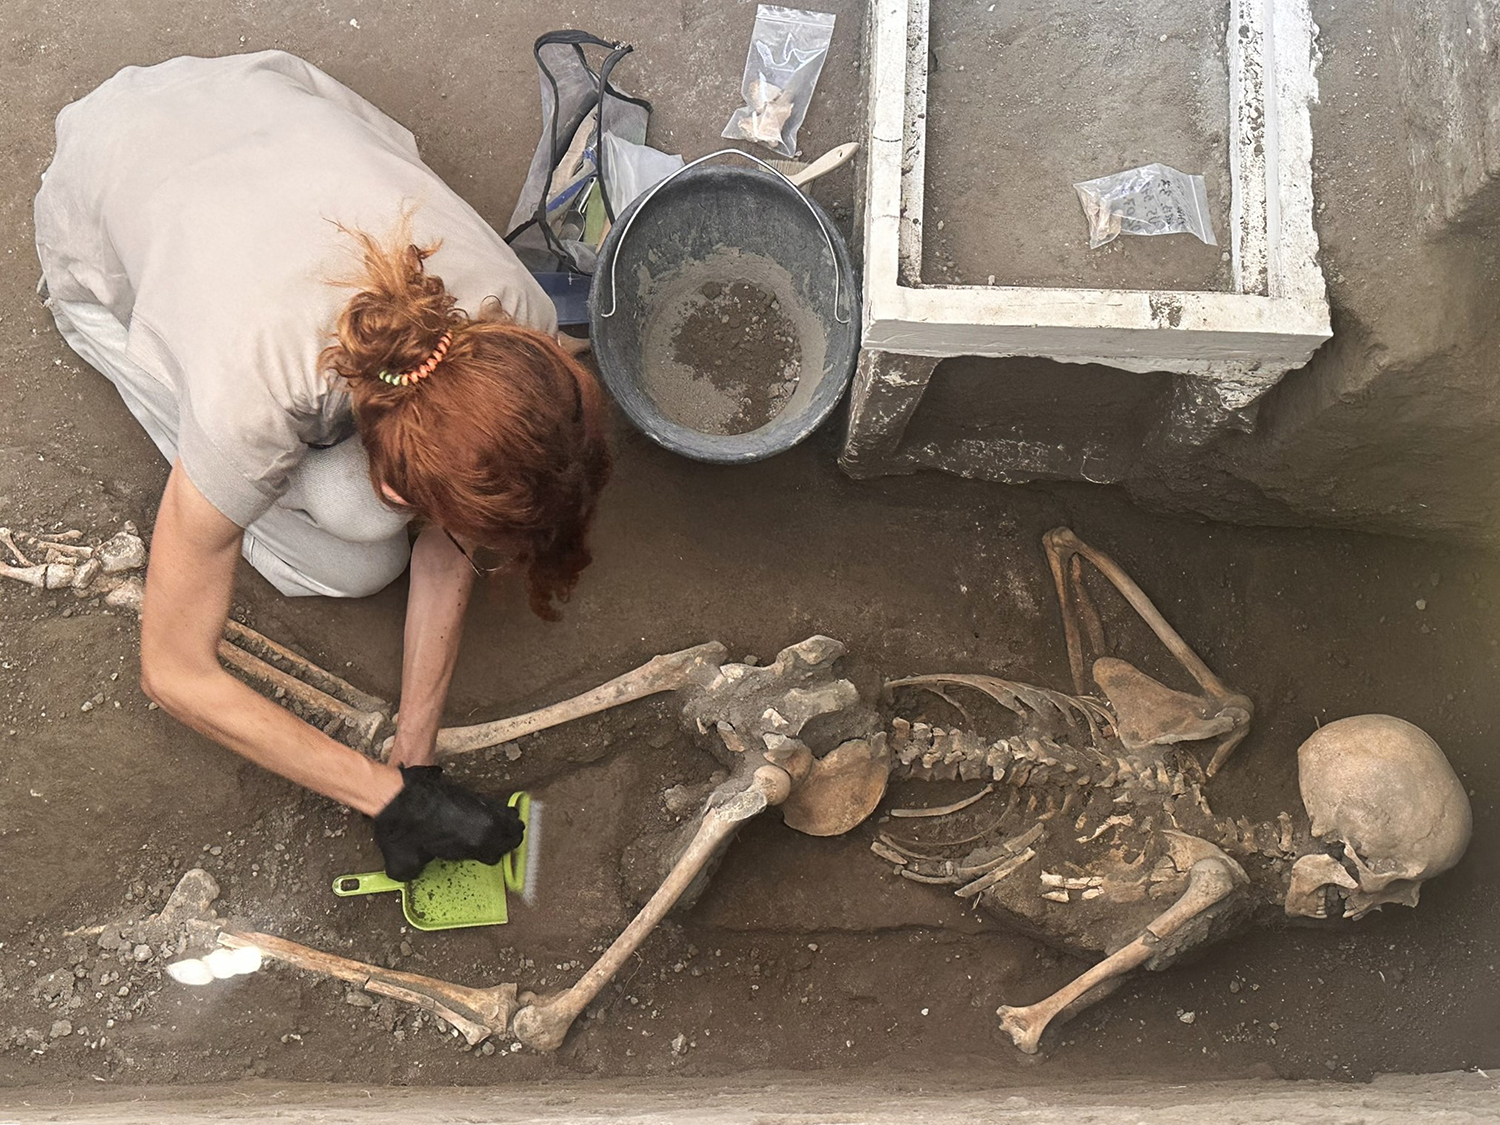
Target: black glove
<point x="435" y="819"/>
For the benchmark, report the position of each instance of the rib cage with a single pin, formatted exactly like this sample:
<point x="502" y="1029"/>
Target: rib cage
<point x="1066" y="748"/>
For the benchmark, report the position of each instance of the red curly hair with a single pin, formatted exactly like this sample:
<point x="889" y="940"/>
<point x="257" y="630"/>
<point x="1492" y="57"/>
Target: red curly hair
<point x="503" y="444"/>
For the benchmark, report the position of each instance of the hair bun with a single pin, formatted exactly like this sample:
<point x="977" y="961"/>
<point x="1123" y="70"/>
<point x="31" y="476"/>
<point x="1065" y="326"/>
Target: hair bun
<point x="400" y="312"/>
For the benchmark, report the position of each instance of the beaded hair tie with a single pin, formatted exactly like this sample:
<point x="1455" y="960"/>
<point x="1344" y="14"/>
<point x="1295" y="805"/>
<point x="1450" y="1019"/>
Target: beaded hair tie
<point x="416" y="374"/>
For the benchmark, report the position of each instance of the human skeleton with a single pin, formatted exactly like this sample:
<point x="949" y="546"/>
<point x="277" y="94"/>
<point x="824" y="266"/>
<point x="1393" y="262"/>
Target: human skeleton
<point x="1090" y="827"/>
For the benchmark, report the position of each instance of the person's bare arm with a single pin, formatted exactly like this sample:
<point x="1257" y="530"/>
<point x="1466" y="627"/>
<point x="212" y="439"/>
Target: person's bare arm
<point x="441" y="580"/>
<point x="194" y="553"/>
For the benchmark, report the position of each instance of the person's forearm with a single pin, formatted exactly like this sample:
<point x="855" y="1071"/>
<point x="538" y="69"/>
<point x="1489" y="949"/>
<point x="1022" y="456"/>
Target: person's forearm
<point x="441" y="580"/>
<point x="194" y="553"/>
<point x="217" y="705"/>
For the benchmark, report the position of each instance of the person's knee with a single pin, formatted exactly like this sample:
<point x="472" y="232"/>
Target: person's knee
<point x="376" y="570"/>
<point x="332" y="488"/>
<point x="330" y="568"/>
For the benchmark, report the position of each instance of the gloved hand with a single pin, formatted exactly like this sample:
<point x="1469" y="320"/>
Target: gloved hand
<point x="435" y="819"/>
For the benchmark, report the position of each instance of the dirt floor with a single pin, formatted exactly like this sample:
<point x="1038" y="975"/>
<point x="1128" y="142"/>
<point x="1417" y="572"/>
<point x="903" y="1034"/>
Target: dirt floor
<point x="805" y="954"/>
<point x="1026" y="99"/>
<point x="811" y="940"/>
<point x="725" y="358"/>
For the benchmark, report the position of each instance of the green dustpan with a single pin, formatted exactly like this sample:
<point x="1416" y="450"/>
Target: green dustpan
<point x="449" y="894"/>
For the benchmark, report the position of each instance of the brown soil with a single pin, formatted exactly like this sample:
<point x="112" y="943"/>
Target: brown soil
<point x="730" y="343"/>
<point x="102" y="810"/>
<point x="1026" y="99"/>
<point x="797" y="939"/>
<point x="735" y="359"/>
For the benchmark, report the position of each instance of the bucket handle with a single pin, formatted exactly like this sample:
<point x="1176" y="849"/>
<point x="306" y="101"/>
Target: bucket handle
<point x="822" y="226"/>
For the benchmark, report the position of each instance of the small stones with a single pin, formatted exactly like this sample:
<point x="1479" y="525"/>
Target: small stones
<point x="61" y="1029"/>
<point x="486" y="1048"/>
<point x="358" y="999"/>
<point x="141" y="953"/>
<point x="680" y="1044"/>
<point x="1186" y="1017"/>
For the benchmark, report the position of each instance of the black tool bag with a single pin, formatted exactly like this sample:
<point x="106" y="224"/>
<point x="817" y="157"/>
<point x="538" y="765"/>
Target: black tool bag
<point x="565" y="203"/>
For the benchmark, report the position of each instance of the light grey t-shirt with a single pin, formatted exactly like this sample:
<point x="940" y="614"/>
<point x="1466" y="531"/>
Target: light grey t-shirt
<point x="198" y="199"/>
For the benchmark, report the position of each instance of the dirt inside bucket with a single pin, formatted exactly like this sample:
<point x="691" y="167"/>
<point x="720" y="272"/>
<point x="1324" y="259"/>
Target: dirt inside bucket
<point x="726" y="349"/>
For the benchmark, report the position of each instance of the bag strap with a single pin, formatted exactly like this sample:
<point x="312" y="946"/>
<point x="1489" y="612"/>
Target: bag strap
<point x="603" y="88"/>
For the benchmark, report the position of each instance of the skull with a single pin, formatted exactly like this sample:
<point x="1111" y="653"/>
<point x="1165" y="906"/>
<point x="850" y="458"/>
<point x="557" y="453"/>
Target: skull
<point x="1383" y="789"/>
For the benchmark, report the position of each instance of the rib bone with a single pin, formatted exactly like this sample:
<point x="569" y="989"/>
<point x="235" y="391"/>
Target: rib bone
<point x="1209" y="881"/>
<point x="542" y="1024"/>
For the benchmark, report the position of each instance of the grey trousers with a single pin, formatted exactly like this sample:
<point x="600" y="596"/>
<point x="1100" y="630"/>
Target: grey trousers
<point x="329" y="534"/>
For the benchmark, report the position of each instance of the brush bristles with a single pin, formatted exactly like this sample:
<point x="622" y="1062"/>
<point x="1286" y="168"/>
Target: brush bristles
<point x="533" y="852"/>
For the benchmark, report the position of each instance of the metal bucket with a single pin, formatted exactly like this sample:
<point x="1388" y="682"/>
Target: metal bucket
<point x="717" y="225"/>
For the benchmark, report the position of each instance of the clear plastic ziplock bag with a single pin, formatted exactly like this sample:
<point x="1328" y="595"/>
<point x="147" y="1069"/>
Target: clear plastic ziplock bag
<point x="787" y="49"/>
<point x="1151" y="199"/>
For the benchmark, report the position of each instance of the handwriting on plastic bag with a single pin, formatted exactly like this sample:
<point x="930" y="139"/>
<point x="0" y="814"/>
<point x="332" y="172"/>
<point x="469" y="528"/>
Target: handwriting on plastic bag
<point x="1151" y="199"/>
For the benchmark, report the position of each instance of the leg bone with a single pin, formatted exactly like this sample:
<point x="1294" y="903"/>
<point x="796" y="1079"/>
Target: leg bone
<point x="661" y="673"/>
<point x="1209" y="881"/>
<point x="304" y="669"/>
<point x="477" y="1013"/>
<point x="10" y="545"/>
<point x="1063" y="549"/>
<point x="365" y="724"/>
<point x="542" y="1024"/>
